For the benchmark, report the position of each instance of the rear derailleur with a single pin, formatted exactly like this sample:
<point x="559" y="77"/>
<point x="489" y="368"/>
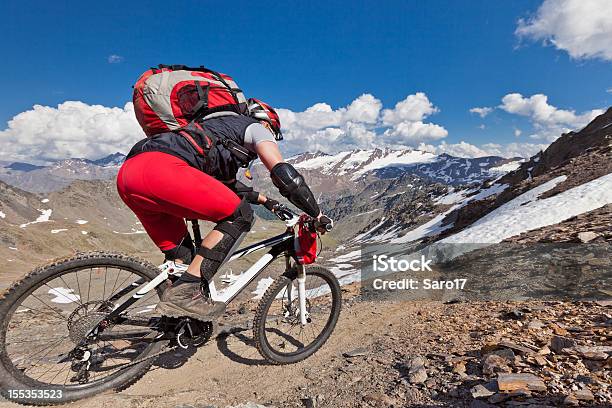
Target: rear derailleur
<point x="81" y="362"/>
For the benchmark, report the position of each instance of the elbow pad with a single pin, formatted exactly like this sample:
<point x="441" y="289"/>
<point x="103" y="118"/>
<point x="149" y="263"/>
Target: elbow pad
<point x="293" y="187"/>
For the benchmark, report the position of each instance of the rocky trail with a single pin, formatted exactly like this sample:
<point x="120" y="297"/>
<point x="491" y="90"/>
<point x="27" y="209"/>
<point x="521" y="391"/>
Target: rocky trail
<point x="402" y="354"/>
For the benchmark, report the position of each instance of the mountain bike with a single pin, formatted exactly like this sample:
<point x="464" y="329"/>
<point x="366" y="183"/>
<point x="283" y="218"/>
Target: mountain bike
<point x="86" y="324"/>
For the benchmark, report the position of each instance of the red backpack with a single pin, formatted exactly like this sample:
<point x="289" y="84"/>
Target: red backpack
<point x="169" y="97"/>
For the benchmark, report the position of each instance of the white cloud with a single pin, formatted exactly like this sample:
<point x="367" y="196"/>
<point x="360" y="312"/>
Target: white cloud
<point x="410" y="133"/>
<point x="72" y="129"/>
<point x="609" y="90"/>
<point x="549" y="121"/>
<point x="582" y="28"/>
<point x="76" y="129"/>
<point x="517" y="132"/>
<point x="514" y="149"/>
<point x="484" y="111"/>
<point x="115" y="59"/>
<point x="414" y="108"/>
<point x="361" y="124"/>
<point x="482" y="126"/>
<point x="464" y="149"/>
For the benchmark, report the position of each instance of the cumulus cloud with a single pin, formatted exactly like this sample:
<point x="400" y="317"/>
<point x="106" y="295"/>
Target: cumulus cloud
<point x="414" y="108"/>
<point x="115" y="59"/>
<point x="549" y="121"/>
<point x="482" y="112"/>
<point x="517" y="132"/>
<point x="361" y="124"/>
<point x="72" y="129"/>
<point x="464" y="149"/>
<point x="582" y="28"/>
<point x="76" y="129"/>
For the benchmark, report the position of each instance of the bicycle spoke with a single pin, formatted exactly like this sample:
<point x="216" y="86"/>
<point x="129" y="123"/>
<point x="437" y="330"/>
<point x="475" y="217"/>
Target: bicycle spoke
<point x="49" y="307"/>
<point x="104" y="288"/>
<point x="39" y="339"/>
<point x="285" y="333"/>
<point x="89" y="285"/>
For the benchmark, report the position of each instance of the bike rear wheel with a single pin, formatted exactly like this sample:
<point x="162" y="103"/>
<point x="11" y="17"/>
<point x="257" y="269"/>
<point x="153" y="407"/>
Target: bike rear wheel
<point x="279" y="335"/>
<point x="50" y="311"/>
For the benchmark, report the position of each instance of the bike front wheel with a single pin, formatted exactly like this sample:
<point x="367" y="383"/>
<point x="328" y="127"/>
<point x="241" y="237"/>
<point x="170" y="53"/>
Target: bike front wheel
<point x="279" y="335"/>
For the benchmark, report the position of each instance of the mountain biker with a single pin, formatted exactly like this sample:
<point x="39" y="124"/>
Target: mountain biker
<point x="162" y="181"/>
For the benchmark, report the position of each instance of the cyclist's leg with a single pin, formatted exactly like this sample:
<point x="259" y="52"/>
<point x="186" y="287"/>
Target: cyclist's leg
<point x="167" y="231"/>
<point x="175" y="189"/>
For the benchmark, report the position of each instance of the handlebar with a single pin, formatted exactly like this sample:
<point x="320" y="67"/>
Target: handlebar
<point x="326" y="224"/>
<point x="286" y="214"/>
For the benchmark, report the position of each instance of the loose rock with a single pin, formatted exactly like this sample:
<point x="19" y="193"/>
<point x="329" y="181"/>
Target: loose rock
<point x="558" y="343"/>
<point x="493" y="364"/>
<point x="587" y="236"/>
<point x="480" y="391"/>
<point x="513" y="382"/>
<point x="585" y="395"/>
<point x="594" y="352"/>
<point x="356" y="352"/>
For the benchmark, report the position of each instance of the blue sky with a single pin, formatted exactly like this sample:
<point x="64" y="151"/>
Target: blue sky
<point x="460" y="54"/>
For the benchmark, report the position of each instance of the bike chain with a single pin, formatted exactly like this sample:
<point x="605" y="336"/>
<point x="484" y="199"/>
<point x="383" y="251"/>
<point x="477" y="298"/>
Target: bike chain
<point x="159" y="353"/>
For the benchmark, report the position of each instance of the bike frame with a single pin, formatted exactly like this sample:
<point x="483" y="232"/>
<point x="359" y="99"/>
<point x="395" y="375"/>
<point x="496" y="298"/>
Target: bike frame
<point x="280" y="244"/>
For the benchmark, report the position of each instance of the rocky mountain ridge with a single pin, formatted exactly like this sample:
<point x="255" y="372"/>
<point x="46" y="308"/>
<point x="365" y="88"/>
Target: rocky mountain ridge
<point x="59" y="174"/>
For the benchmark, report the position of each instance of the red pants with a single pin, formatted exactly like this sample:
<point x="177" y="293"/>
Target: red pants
<point x="162" y="190"/>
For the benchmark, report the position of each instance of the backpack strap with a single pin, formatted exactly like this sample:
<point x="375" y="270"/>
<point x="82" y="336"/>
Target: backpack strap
<point x="192" y="141"/>
<point x="202" y="99"/>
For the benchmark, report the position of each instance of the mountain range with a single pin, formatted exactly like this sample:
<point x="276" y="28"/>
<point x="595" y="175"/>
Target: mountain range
<point x="375" y="196"/>
<point x="59" y="174"/>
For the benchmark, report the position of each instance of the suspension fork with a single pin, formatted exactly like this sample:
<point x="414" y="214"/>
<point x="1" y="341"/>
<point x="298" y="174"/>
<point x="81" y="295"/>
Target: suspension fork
<point x="301" y="278"/>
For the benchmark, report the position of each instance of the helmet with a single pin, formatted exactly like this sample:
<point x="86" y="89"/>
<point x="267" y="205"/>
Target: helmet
<point x="262" y="111"/>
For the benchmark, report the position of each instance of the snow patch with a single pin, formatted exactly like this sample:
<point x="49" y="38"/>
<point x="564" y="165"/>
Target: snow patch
<point x="44" y="200"/>
<point x="505" y="168"/>
<point x="341" y="270"/>
<point x="130" y="233"/>
<point x="2" y="215"/>
<point x="431" y="227"/>
<point x="82" y="222"/>
<point x="63" y="295"/>
<point x="228" y="278"/>
<point x="397" y="158"/>
<point x="360" y="237"/>
<point x="451" y="197"/>
<point x="262" y="286"/>
<point x="43" y="217"/>
<point x="358" y="162"/>
<point x="56" y="231"/>
<point x="347" y="257"/>
<point x="528" y="212"/>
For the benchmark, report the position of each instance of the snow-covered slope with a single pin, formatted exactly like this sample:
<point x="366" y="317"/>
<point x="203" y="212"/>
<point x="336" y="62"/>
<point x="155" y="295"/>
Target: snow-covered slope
<point x="358" y="162"/>
<point x="388" y="163"/>
<point x="528" y="212"/>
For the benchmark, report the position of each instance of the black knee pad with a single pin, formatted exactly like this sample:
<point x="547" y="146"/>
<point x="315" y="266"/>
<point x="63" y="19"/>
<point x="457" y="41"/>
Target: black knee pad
<point x="239" y="222"/>
<point x="184" y="251"/>
<point x="233" y="228"/>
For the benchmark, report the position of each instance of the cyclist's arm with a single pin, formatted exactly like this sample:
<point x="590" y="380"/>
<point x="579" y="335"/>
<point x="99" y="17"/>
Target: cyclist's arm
<point x="289" y="182"/>
<point x="268" y="153"/>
